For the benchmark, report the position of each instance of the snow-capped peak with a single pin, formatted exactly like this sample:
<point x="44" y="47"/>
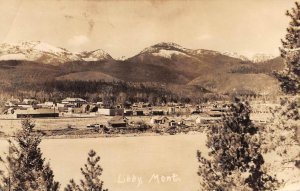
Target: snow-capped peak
<point x="166" y="50"/>
<point x="37" y="45"/>
<point x="168" y="45"/>
<point x="35" y="51"/>
<point x="163" y="46"/>
<point x="45" y="53"/>
<point x="94" y="55"/>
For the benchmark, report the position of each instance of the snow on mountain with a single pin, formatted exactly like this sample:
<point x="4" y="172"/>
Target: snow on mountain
<point x="48" y="48"/>
<point x="166" y="50"/>
<point x="256" y="58"/>
<point x="163" y="46"/>
<point x="262" y="57"/>
<point x="94" y="55"/>
<point x="168" y="53"/>
<point x="45" y="53"/>
<point x="169" y="45"/>
<point x="35" y="51"/>
<point x="48" y="54"/>
<point x="235" y="55"/>
<point x="30" y="46"/>
<point x="203" y="52"/>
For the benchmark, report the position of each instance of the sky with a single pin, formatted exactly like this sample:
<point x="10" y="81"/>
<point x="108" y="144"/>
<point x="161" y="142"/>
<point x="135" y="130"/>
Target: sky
<point x="126" y="27"/>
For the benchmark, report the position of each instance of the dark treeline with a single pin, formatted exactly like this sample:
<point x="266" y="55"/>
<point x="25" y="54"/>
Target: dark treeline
<point x="116" y="92"/>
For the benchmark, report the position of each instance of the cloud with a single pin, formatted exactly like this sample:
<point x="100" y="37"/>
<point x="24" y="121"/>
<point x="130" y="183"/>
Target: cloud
<point x="204" y="37"/>
<point x="79" y="40"/>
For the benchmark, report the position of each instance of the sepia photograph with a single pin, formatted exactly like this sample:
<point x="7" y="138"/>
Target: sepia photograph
<point x="149" y="95"/>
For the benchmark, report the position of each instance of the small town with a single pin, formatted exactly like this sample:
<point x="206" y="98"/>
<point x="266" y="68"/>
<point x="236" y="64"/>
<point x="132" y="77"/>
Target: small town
<point x="138" y="117"/>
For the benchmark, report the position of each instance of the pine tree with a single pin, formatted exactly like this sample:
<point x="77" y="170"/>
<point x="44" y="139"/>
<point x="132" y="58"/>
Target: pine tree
<point x="280" y="136"/>
<point x="290" y="52"/>
<point x="91" y="172"/>
<point x="72" y="186"/>
<point x="26" y="168"/>
<point x="235" y="160"/>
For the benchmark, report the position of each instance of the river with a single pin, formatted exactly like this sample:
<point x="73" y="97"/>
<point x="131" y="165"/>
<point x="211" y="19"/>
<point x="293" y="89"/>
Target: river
<point x="143" y="163"/>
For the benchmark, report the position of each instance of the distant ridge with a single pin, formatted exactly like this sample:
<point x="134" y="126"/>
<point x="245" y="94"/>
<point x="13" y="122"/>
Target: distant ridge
<point x="167" y="63"/>
<point x="48" y="54"/>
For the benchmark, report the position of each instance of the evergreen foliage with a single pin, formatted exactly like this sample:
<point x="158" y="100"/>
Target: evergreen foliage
<point x="26" y="168"/>
<point x="235" y="161"/>
<point x="281" y="134"/>
<point x="290" y="52"/>
<point x="91" y="173"/>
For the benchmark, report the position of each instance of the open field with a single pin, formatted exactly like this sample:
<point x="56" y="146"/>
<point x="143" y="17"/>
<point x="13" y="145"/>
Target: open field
<point x="78" y="124"/>
<point x="132" y="156"/>
<point x="52" y="123"/>
<point x="8" y="126"/>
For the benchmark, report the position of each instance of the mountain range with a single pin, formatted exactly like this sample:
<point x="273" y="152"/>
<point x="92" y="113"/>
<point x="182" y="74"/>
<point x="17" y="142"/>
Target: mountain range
<point x="44" y="53"/>
<point x="166" y="63"/>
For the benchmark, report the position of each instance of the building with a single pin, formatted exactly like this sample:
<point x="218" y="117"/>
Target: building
<point x="138" y="113"/>
<point x="35" y="113"/>
<point x="25" y="105"/>
<point x="157" y="112"/>
<point x="128" y="112"/>
<point x="172" y="110"/>
<point x="173" y="123"/>
<point x="177" y="123"/>
<point x="159" y="120"/>
<point x="48" y="104"/>
<point x="77" y="102"/>
<point x="111" y="111"/>
<point x="77" y="110"/>
<point x="118" y="121"/>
